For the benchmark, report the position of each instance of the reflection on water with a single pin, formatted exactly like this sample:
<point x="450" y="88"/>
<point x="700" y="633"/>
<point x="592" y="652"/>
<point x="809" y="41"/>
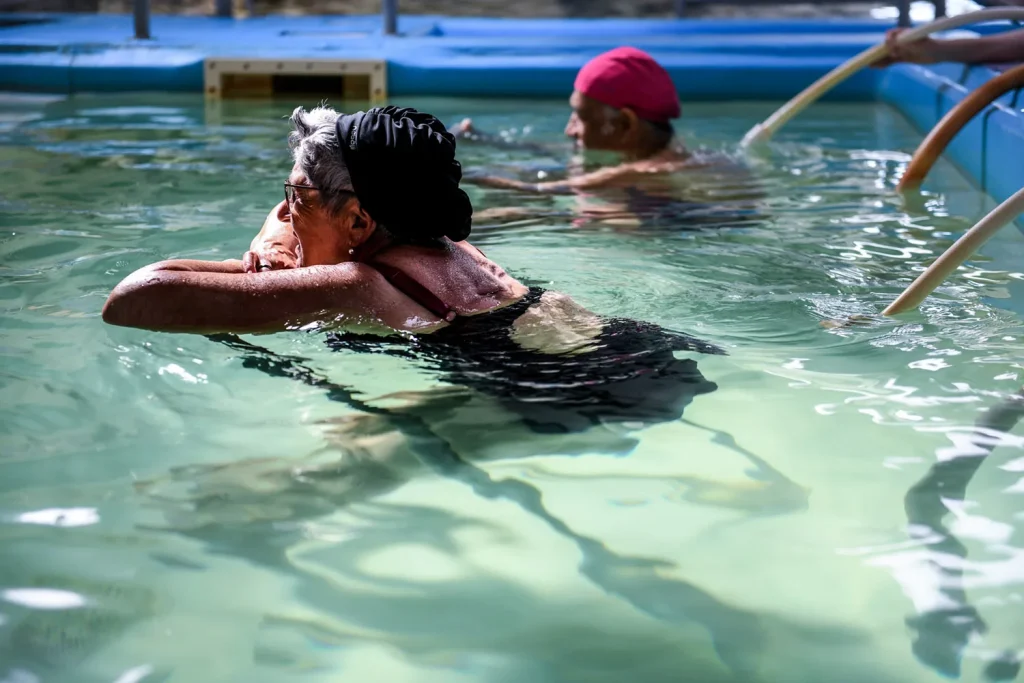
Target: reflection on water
<point x="59" y="633"/>
<point x="934" y="576"/>
<point x="229" y="506"/>
<point x="267" y="509"/>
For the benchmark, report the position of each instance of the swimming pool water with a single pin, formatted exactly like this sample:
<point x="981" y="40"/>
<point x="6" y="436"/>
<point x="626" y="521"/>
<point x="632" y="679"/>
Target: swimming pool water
<point x="168" y="512"/>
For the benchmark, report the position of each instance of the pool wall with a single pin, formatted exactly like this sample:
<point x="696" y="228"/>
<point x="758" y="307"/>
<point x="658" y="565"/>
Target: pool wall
<point x="708" y="60"/>
<point x="433" y="55"/>
<point x="989" y="149"/>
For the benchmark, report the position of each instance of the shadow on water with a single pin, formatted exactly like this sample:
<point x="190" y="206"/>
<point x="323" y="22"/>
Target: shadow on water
<point x="269" y="515"/>
<point x="950" y="623"/>
<point x="51" y="641"/>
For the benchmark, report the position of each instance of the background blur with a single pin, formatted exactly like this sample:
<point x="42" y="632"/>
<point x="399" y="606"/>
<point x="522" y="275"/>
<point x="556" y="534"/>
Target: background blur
<point x="505" y="8"/>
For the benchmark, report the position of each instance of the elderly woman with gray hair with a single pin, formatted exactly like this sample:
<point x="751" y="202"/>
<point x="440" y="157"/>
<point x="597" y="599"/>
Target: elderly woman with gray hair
<point x="372" y="231"/>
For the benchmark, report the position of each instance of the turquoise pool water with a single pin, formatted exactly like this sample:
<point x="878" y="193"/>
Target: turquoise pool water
<point x="169" y="512"/>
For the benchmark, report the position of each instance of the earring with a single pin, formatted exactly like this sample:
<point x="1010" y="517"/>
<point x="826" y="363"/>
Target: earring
<point x="351" y="251"/>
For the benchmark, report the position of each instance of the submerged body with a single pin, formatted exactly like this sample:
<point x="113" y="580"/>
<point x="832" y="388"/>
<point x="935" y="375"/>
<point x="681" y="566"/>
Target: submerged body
<point x="707" y="191"/>
<point x="559" y="367"/>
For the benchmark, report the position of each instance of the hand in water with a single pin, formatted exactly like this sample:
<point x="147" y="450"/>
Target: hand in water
<point x="463" y="128"/>
<point x="922" y="51"/>
<point x="851" y="321"/>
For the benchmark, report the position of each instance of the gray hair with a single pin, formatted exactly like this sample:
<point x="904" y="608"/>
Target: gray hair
<point x="314" y="144"/>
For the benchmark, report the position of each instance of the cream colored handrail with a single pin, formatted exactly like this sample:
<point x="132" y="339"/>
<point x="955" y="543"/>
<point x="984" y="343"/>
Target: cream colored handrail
<point x="766" y="129"/>
<point x="961" y="250"/>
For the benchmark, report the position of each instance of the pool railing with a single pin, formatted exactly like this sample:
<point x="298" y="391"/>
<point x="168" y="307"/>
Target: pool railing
<point x="390" y="11"/>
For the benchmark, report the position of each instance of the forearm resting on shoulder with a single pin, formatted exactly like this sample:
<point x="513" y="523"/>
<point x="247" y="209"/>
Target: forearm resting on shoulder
<point x="200" y="296"/>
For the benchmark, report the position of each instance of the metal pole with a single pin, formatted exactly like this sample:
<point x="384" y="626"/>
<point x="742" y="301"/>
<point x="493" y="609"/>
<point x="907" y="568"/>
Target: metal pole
<point x="680" y="8"/>
<point x="940" y="8"/>
<point x="390" y="8"/>
<point x="141" y="19"/>
<point x="224" y="8"/>
<point x="904" y="18"/>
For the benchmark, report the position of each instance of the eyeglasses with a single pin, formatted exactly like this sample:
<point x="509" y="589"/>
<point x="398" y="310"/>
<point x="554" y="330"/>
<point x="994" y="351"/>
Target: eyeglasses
<point x="290" y="190"/>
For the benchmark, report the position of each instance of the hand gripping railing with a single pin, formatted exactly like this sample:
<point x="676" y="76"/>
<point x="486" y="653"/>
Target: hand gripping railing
<point x="765" y="130"/>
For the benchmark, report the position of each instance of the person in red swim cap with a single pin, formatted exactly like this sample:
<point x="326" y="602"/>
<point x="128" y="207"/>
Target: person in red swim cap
<point x="622" y="101"/>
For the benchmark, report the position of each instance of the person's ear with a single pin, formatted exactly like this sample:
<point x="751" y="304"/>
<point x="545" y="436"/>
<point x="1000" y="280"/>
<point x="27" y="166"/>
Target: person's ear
<point x="629" y="122"/>
<point x="362" y="224"/>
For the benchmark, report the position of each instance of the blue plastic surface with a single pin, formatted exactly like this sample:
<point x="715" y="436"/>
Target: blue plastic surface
<point x="989" y="149"/>
<point x="1004" y="152"/>
<point x="437" y="55"/>
<point x="33" y="71"/>
<point x="976" y="76"/>
<point x="914" y="91"/>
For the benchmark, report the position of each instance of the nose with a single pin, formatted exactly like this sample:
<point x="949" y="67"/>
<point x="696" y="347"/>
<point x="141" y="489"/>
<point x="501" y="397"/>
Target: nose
<point x="283" y="212"/>
<point x="572" y="126"/>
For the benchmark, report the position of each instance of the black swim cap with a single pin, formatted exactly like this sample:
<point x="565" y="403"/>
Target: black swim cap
<point x="403" y="169"/>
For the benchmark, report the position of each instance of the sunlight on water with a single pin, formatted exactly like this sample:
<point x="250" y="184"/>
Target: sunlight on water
<point x="174" y="509"/>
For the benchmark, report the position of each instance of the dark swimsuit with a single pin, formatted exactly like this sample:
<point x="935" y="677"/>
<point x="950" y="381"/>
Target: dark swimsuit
<point x="628" y="374"/>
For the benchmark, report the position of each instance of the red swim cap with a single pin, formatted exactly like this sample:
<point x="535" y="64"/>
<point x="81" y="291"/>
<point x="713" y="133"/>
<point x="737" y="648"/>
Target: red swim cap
<point x="628" y="77"/>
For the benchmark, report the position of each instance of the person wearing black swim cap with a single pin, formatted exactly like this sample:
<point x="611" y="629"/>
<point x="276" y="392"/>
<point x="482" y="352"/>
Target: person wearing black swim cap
<point x="373" y="232"/>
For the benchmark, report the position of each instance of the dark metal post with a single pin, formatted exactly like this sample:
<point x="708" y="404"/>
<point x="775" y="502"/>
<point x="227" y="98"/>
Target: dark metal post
<point x="940" y="8"/>
<point x="680" y="8"/>
<point x="141" y="19"/>
<point x="904" y="8"/>
<point x="224" y="8"/>
<point x="390" y="8"/>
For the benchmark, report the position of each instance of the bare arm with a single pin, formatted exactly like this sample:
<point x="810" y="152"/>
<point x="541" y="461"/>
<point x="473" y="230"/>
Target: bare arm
<point x="1002" y="47"/>
<point x="465" y="130"/>
<point x="501" y="215"/>
<point x="198" y="266"/>
<point x="200" y="296"/>
<point x="560" y="187"/>
<point x="606" y="177"/>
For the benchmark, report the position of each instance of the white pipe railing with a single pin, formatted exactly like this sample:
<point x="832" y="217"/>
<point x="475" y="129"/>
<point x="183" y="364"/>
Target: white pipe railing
<point x="389" y="13"/>
<point x="952" y="258"/>
<point x="763" y="131"/>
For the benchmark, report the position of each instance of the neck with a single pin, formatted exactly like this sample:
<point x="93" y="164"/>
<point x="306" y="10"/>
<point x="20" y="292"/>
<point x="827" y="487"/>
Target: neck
<point x="328" y="253"/>
<point x="315" y="253"/>
<point x="649" y="146"/>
